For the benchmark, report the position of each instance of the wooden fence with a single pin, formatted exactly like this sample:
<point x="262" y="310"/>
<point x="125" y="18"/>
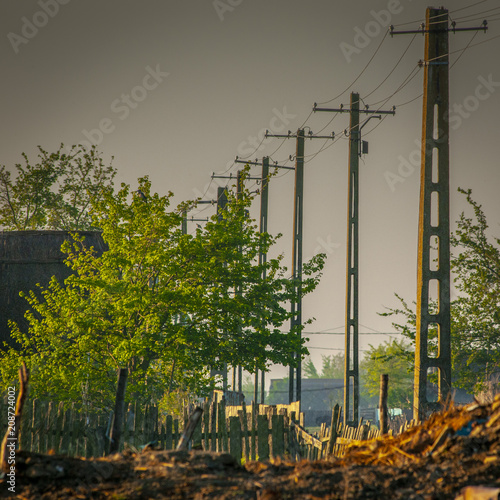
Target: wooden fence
<point x="256" y="433"/>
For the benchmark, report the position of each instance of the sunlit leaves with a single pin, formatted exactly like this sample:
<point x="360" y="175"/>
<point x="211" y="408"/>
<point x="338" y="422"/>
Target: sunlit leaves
<point x="164" y="304"/>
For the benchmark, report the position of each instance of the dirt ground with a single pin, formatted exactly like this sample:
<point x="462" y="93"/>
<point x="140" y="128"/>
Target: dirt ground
<point x="449" y="456"/>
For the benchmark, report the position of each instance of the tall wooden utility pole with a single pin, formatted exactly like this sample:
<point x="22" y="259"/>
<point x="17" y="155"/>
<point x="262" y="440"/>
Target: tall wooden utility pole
<point x="433" y="271"/>
<point x="351" y="359"/>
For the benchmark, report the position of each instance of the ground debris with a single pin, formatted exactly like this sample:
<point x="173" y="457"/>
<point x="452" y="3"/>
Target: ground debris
<point x="453" y="455"/>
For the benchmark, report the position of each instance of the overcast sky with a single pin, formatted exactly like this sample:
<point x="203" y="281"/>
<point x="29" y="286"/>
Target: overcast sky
<point x="176" y="89"/>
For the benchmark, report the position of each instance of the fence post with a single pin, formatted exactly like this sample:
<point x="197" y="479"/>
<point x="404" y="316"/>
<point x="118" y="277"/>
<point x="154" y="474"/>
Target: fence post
<point x="277" y="435"/>
<point x="263" y="437"/>
<point x="206" y="426"/>
<point x="116" y="430"/>
<point x="384" y="382"/>
<point x="189" y="428"/>
<point x="244" y="421"/>
<point x="169" y="438"/>
<point x="333" y="429"/>
<point x="235" y="438"/>
<point x="213" y="425"/>
<point x="253" y="431"/>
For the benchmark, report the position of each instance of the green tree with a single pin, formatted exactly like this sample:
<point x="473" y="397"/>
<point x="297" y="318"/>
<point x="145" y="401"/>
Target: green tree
<point x="396" y="359"/>
<point x="309" y="369"/>
<point x="160" y="303"/>
<point x="332" y="367"/>
<point x="56" y="192"/>
<point x="475" y="314"/>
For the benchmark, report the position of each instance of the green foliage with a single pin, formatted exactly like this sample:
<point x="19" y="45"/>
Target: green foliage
<point x="308" y="369"/>
<point x="332" y="367"/>
<point x="159" y="302"/>
<point x="56" y="192"/>
<point x="396" y="359"/>
<point x="475" y="314"/>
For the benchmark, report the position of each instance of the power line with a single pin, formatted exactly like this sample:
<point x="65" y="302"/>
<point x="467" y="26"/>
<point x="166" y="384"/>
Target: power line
<point x="463" y="51"/>
<point x="406" y="81"/>
<point x="475" y="14"/>
<point x="467" y="7"/>
<point x="393" y="69"/>
<point x="359" y="76"/>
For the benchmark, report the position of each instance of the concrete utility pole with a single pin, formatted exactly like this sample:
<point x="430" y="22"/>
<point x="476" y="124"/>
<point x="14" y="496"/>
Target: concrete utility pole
<point x="264" y="203"/>
<point x="433" y="268"/>
<point x="295" y="372"/>
<point x="239" y="191"/>
<point x="351" y="363"/>
<point x="237" y="378"/>
<point x="221" y="206"/>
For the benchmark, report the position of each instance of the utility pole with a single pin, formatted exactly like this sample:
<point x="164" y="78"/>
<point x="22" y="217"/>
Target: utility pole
<point x="237" y="378"/>
<point x="239" y="192"/>
<point x="298" y="213"/>
<point x="351" y="357"/>
<point x="433" y="270"/>
<point x="264" y="203"/>
<point x="295" y="372"/>
<point x="221" y="207"/>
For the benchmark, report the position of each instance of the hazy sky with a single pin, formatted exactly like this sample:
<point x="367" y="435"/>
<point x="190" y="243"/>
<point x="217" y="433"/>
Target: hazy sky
<point x="176" y="89"/>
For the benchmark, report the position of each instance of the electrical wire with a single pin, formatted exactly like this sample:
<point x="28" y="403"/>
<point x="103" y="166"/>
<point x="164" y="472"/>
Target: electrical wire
<point x="459" y="50"/>
<point x="334" y="116"/>
<point x="408" y="102"/>
<point x="362" y="71"/>
<point x="475" y="14"/>
<point x="465" y="48"/>
<point x="377" y="125"/>
<point x="468" y="6"/>
<point x="393" y="69"/>
<point x="406" y="81"/>
<point x="422" y="20"/>
<point x="253" y="152"/>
